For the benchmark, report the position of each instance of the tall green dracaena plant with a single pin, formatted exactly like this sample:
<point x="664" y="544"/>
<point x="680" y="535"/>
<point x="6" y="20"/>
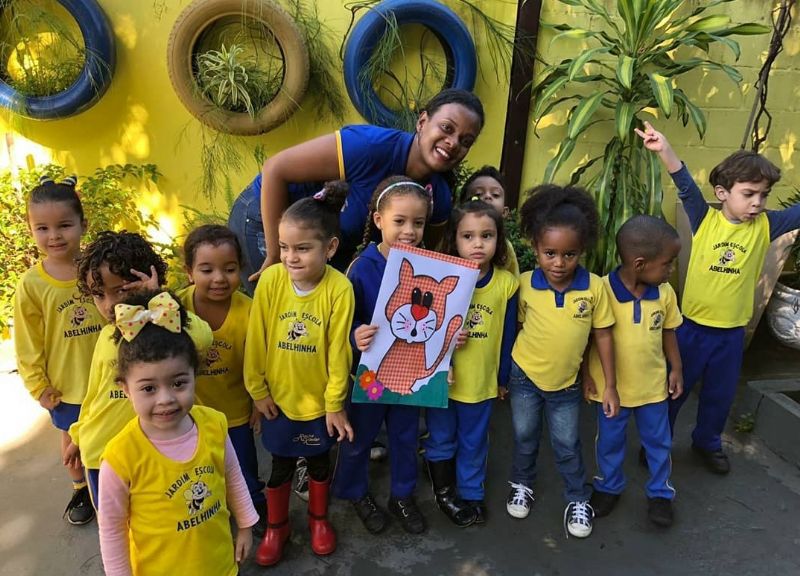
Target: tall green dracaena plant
<point x="634" y="64"/>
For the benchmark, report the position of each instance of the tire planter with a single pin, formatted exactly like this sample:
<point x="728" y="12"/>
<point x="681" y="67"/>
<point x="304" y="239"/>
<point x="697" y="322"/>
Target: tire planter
<point x="92" y="82"/>
<point x="197" y="18"/>
<point x="459" y="49"/>
<point x="783" y="315"/>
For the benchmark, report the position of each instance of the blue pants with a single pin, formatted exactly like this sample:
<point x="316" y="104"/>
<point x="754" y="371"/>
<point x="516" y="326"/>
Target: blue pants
<point x="715" y="356"/>
<point x="93" y="481"/>
<point x="461" y="431"/>
<point x="529" y="406"/>
<point x="245" y="221"/>
<point x="351" y="475"/>
<point x="244" y="445"/>
<point x="652" y="421"/>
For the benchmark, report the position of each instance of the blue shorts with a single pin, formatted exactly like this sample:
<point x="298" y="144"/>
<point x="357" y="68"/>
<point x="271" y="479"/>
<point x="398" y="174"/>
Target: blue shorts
<point x="64" y="415"/>
<point x="293" y="438"/>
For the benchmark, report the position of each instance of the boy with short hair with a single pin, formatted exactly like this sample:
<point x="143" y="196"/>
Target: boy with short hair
<point x="728" y="250"/>
<point x="646" y="310"/>
<point x="487" y="184"/>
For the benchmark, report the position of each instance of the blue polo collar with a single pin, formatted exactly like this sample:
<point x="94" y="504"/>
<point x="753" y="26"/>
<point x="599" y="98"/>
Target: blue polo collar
<point x="579" y="282"/>
<point x="483" y="282"/>
<point x="622" y="294"/>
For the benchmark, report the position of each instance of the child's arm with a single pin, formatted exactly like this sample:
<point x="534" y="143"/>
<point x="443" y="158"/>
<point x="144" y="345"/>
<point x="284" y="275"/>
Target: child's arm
<point x="507" y="344"/>
<point x="362" y="332"/>
<point x="239" y="502"/>
<point x="693" y="202"/>
<point x="589" y="385"/>
<point x="112" y="520"/>
<point x="675" y="376"/>
<point x="255" y="355"/>
<point x="783" y="221"/>
<point x="340" y="358"/>
<point x="605" y="348"/>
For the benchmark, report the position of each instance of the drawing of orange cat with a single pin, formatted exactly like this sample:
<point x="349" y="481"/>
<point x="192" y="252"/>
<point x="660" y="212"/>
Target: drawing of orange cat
<point x="415" y="310"/>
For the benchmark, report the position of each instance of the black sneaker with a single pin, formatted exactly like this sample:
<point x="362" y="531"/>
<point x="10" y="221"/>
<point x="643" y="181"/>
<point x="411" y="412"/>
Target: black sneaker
<point x="603" y="503"/>
<point x="79" y="511"/>
<point x="405" y="509"/>
<point x="373" y="518"/>
<point x="659" y="510"/>
<point x="480" y="510"/>
<point x="717" y="462"/>
<point x="301" y="480"/>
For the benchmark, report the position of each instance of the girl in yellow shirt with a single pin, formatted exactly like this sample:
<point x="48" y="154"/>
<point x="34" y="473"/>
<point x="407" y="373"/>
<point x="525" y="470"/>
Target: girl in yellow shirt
<point x="55" y="327"/>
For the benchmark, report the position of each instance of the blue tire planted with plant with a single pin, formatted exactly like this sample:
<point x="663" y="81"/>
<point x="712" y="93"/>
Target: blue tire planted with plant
<point x="94" y="79"/>
<point x="459" y="49"/>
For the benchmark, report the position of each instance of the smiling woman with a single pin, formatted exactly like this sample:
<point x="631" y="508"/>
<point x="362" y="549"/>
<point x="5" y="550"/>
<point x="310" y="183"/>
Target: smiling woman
<point x="362" y="155"/>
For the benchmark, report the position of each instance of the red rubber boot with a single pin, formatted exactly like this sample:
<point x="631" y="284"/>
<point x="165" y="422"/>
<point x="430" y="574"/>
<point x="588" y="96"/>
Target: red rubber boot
<point x="323" y="537"/>
<point x="270" y="550"/>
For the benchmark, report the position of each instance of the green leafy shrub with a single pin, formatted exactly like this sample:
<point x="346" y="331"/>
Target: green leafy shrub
<point x="522" y="248"/>
<point x="110" y="202"/>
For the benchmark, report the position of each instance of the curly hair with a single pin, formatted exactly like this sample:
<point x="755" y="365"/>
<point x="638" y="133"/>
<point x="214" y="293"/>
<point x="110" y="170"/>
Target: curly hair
<point x="553" y="206"/>
<point x="478" y="208"/>
<point x="214" y="234"/>
<point x="120" y="251"/>
<point x="154" y="343"/>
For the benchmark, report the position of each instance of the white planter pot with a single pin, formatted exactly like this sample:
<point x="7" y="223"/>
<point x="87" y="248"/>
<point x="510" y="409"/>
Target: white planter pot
<point x="783" y="315"/>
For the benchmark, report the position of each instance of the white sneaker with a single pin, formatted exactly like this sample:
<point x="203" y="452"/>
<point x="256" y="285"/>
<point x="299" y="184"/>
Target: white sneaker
<point x="578" y="517"/>
<point x="519" y="501"/>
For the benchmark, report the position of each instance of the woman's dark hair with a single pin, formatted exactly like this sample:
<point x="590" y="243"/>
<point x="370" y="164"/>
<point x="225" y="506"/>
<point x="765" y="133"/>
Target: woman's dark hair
<point x="120" y="251"/>
<point x="383" y="193"/>
<point x="320" y="212"/>
<point x="64" y="191"/>
<point x="489" y="171"/>
<point x="154" y="343"/>
<point x="744" y="166"/>
<point x="478" y="208"/>
<point x="456" y="96"/>
<point x="553" y="206"/>
<point x="214" y="234"/>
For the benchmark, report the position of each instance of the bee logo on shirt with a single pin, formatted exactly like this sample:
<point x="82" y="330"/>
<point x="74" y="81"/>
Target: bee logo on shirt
<point x="195" y="496"/>
<point x="296" y="330"/>
<point x="583" y="307"/>
<point x="727" y="257"/>
<point x="212" y="356"/>
<point x="79" y="315"/>
<point x="475" y="319"/>
<point x="656" y="320"/>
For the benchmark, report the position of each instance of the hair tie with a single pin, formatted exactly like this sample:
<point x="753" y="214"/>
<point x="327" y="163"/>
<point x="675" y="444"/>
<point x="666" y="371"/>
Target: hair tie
<point x="427" y="189"/>
<point x="45" y="179"/>
<point x="321" y="195"/>
<point x="71" y="180"/>
<point x="162" y="310"/>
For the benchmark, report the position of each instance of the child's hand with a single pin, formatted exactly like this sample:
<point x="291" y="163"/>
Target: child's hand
<point x="244" y="541"/>
<point x="72" y="457"/>
<point x="451" y="377"/>
<point x="589" y="386"/>
<point x="50" y="398"/>
<point x="255" y="420"/>
<point x="364" y="335"/>
<point x="267" y="407"/>
<point x="339" y="426"/>
<point x="675" y="384"/>
<point x="502" y="392"/>
<point x="610" y="402"/>
<point x="461" y="338"/>
<point x="654" y="140"/>
<point x="144" y="281"/>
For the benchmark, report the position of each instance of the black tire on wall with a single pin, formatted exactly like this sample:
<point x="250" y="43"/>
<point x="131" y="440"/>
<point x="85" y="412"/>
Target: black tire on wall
<point x="198" y="17"/>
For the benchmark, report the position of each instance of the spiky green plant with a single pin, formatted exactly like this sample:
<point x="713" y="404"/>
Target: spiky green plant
<point x="635" y="62"/>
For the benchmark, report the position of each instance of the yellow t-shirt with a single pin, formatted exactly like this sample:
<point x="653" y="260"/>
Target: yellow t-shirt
<point x="512" y="264"/>
<point x="641" y="366"/>
<point x="476" y="364"/>
<point x="724" y="266"/>
<point x="178" y="514"/>
<point x="106" y="409"/>
<point x="55" y="330"/>
<point x="556" y="326"/>
<point x="220" y="378"/>
<point x="298" y="348"/>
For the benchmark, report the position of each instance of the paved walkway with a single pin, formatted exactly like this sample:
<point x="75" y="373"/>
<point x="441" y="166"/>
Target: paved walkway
<point x="745" y="523"/>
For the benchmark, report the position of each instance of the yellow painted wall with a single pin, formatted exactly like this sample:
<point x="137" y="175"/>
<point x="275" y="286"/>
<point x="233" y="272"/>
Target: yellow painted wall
<point x="140" y="119"/>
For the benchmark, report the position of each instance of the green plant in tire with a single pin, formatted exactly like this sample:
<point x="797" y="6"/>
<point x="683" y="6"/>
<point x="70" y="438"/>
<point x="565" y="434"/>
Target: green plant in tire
<point x="633" y="62"/>
<point x="235" y="82"/>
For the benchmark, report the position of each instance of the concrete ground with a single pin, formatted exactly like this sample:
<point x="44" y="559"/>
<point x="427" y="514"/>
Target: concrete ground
<point x="745" y="523"/>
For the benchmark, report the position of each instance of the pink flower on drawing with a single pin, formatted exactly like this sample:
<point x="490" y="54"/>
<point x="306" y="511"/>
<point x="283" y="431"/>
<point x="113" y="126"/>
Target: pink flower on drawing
<point x="367" y="379"/>
<point x="375" y="390"/>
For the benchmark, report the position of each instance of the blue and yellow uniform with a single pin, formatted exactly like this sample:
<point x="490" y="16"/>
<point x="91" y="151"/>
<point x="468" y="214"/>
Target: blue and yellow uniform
<point x="641" y="374"/>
